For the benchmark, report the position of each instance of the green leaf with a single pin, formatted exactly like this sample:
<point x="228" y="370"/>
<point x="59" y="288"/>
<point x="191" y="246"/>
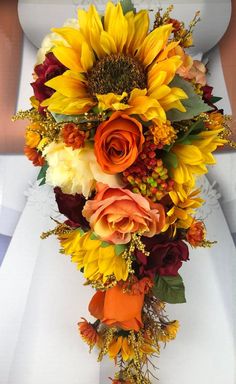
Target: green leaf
<point x="194" y="104"/>
<point x="169" y="289"/>
<point x="61" y="118"/>
<point x="42" y="174"/>
<point x="197" y="126"/>
<point x="215" y="99"/>
<point x="119" y="248"/>
<point x="104" y="244"/>
<point x="127" y="6"/>
<point x="93" y="236"/>
<point x="170" y="160"/>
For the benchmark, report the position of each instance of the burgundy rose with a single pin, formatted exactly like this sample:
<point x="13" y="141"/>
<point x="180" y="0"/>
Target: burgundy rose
<point x="165" y="258"/>
<point x="51" y="67"/>
<point x="208" y="97"/>
<point x="71" y="206"/>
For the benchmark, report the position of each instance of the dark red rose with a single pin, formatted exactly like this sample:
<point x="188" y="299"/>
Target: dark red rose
<point x="51" y="67"/>
<point x="165" y="258"/>
<point x="208" y="97"/>
<point x="71" y="206"/>
<point x="207" y="93"/>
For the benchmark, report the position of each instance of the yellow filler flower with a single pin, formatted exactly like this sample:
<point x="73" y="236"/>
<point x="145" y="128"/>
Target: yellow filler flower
<point x="115" y="64"/>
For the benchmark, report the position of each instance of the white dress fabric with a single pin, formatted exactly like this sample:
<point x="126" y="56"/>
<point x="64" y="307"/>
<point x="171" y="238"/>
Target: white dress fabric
<point x="42" y="298"/>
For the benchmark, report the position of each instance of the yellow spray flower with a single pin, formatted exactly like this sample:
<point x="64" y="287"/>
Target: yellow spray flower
<point x="98" y="262"/>
<point x="115" y="64"/>
<point x="184" y="205"/>
<point x="215" y="121"/>
<point x="168" y="331"/>
<point x="121" y="345"/>
<point x="193" y="158"/>
<point x="32" y="135"/>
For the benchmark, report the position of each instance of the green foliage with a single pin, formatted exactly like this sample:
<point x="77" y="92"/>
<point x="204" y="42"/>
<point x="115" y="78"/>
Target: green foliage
<point x="194" y="104"/>
<point x="65" y="118"/>
<point x="127" y="6"/>
<point x="215" y="99"/>
<point x="42" y="174"/>
<point x="93" y="236"/>
<point x="119" y="249"/>
<point x="198" y="126"/>
<point x="169" y="289"/>
<point x="170" y="160"/>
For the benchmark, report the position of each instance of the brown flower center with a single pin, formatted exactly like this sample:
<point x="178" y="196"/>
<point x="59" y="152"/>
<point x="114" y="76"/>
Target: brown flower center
<point x="116" y="73"/>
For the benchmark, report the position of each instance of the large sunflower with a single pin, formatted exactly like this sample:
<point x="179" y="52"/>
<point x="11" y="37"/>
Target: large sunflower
<point x="115" y="63"/>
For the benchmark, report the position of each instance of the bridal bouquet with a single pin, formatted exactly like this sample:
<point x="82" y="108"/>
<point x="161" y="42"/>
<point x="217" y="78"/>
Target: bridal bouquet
<point x="122" y="123"/>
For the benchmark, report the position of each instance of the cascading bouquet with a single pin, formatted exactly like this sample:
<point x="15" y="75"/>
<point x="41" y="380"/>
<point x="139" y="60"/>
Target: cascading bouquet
<point x="122" y="123"/>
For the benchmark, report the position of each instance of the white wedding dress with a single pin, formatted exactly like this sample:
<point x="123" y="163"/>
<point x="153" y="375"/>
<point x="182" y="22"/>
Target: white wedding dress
<point x="42" y="298"/>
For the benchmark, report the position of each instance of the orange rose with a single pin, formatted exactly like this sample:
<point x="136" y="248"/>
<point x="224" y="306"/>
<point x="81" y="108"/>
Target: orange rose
<point x="118" y="141"/>
<point x="115" y="213"/>
<point x="115" y="307"/>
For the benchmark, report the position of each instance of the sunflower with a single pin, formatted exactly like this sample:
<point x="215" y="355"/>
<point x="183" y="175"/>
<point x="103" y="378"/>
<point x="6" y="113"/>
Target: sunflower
<point x="115" y="63"/>
<point x="193" y="158"/>
<point x="180" y="215"/>
<point x="98" y="262"/>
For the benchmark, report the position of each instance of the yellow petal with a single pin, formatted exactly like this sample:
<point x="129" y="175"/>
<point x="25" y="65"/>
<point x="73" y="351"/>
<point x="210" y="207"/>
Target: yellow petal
<point x="116" y="25"/>
<point x="68" y="57"/>
<point x="87" y="57"/>
<point x="155" y="79"/>
<point x="127" y="350"/>
<point x="139" y="30"/>
<point x="114" y="347"/>
<point x="73" y="37"/>
<point x="68" y="85"/>
<point x="109" y="100"/>
<point x="107" y="43"/>
<point x="153" y="44"/>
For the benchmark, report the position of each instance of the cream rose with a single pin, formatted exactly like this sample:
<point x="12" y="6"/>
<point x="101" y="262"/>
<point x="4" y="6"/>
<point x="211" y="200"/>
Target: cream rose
<point x="75" y="171"/>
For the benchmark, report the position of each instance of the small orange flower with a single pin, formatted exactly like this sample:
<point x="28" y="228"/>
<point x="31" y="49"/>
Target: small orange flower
<point x="142" y="286"/>
<point x="34" y="156"/>
<point x="118" y="141"/>
<point x="216" y="121"/>
<point x="88" y="332"/>
<point x="72" y="136"/>
<point x="196" y="233"/>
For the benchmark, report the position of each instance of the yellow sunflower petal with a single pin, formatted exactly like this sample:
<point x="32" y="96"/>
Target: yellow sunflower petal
<point x="114" y="347"/>
<point x="108" y="100"/>
<point x="153" y="44"/>
<point x="68" y="85"/>
<point x="126" y="350"/>
<point x="73" y="37"/>
<point x="164" y="54"/>
<point x="107" y="43"/>
<point x="87" y="57"/>
<point x="139" y="26"/>
<point x="68" y="57"/>
<point x="116" y="25"/>
<point x="91" y="27"/>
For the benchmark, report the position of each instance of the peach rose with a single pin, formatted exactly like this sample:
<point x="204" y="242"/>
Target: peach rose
<point x="114" y="307"/>
<point x="115" y="213"/>
<point x="118" y="141"/>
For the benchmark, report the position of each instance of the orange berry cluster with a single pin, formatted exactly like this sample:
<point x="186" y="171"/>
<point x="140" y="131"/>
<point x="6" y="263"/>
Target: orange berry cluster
<point x="148" y="175"/>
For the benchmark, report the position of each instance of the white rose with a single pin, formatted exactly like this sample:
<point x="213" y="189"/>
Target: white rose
<point x="75" y="171"/>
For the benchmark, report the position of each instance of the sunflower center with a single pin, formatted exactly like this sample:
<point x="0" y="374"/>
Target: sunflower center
<point x="117" y="74"/>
